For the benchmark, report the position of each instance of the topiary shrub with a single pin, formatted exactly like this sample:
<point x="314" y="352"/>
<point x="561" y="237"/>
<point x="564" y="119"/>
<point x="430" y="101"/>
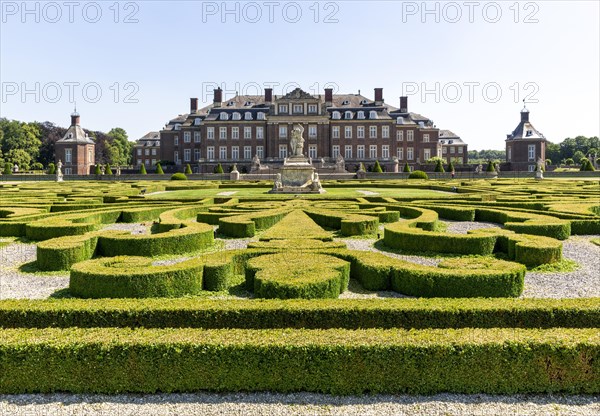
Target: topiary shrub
<point x="490" y="167"/>
<point x="439" y="167"/>
<point x="569" y="161"/>
<point x="51" y="169"/>
<point x="143" y="169"/>
<point x="7" y="169"/>
<point x="97" y="170"/>
<point x="188" y="169"/>
<point x="108" y="170"/>
<point x="178" y="177"/>
<point x="418" y="174"/>
<point x="219" y="169"/>
<point x="451" y="167"/>
<point x="406" y="168"/>
<point x="377" y="167"/>
<point x="37" y="166"/>
<point x="159" y="169"/>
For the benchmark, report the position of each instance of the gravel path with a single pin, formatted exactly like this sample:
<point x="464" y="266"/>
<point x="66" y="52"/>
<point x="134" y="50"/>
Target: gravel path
<point x="250" y="404"/>
<point x="461" y="227"/>
<point x="367" y="245"/>
<point x="133" y="228"/>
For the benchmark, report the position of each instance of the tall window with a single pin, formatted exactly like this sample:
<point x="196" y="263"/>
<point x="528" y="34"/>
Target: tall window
<point x="147" y="152"/>
<point x="373" y="151"/>
<point x="348" y="152"/>
<point x="176" y="158"/>
<point x="400" y="135"/>
<point x="282" y="151"/>
<point x="373" y="132"/>
<point x="385" y="132"/>
<point x="335" y="151"/>
<point x="400" y="153"/>
<point x="509" y="150"/>
<point x="68" y="155"/>
<point x="222" y="152"/>
<point x="187" y="137"/>
<point x="196" y="154"/>
<point x="385" y="151"/>
<point x="235" y="132"/>
<point x="187" y="155"/>
<point x="425" y="138"/>
<point x="451" y="150"/>
<point x="335" y="132"/>
<point x="247" y="132"/>
<point x="247" y="152"/>
<point x="210" y="152"/>
<point x="312" y="131"/>
<point x="348" y="132"/>
<point x="222" y="132"/>
<point x="260" y="152"/>
<point x="259" y="133"/>
<point x="312" y="151"/>
<point x="410" y="153"/>
<point x="176" y="140"/>
<point x="360" y="132"/>
<point x="426" y="154"/>
<point x="139" y="152"/>
<point x="410" y="136"/>
<point x="283" y="132"/>
<point x="235" y="152"/>
<point x="531" y="152"/>
<point x="459" y="149"/>
<point x="91" y="155"/>
<point x="360" y="151"/>
<point x="444" y="150"/>
<point x="196" y="137"/>
<point x="210" y="133"/>
<point x="153" y="153"/>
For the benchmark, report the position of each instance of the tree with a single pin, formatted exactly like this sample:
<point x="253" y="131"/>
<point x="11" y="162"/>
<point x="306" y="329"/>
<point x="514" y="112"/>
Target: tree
<point x="578" y="156"/>
<point x="159" y="169"/>
<point x="113" y="154"/>
<point x="553" y="151"/>
<point x="439" y="167"/>
<point x="108" y="170"/>
<point x="7" y="168"/>
<point x="406" y="168"/>
<point x="188" y="169"/>
<point x="569" y="161"/>
<point x="18" y="157"/>
<point x="219" y="168"/>
<point x="118" y="137"/>
<point x="589" y="166"/>
<point x="97" y="170"/>
<point x="143" y="169"/>
<point x="20" y="136"/>
<point x="377" y="167"/>
<point x="451" y="166"/>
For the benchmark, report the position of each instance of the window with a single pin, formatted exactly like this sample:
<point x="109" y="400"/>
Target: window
<point x="373" y="132"/>
<point x="236" y="116"/>
<point x="176" y="158"/>
<point x="312" y="151"/>
<point x="360" y="151"/>
<point x="187" y="155"/>
<point x="247" y="152"/>
<point x="222" y="132"/>
<point x="282" y="132"/>
<point x="335" y="132"/>
<point x="372" y="114"/>
<point x="410" y="136"/>
<point x="400" y="153"/>
<point x="247" y="115"/>
<point x="425" y="138"/>
<point x="91" y="155"/>
<point x="197" y="121"/>
<point x="210" y="152"/>
<point x="260" y="152"/>
<point x="147" y="162"/>
<point x="68" y="155"/>
<point x="385" y="151"/>
<point x="360" y="115"/>
<point x="282" y="151"/>
<point x="147" y="152"/>
<point x="139" y="152"/>
<point x="348" y="132"/>
<point x="235" y="132"/>
<point x="178" y="126"/>
<point x="509" y="151"/>
<point x="385" y="132"/>
<point x="348" y="115"/>
<point x="360" y="132"/>
<point x="222" y="152"/>
<point x="531" y="152"/>
<point x="196" y="155"/>
<point x="400" y="135"/>
<point x="298" y="108"/>
<point x="187" y="137"/>
<point x="312" y="131"/>
<point x="68" y="171"/>
<point x="283" y="108"/>
<point x="410" y="153"/>
<point x="426" y="154"/>
<point x="176" y="140"/>
<point x="247" y="132"/>
<point x="347" y="152"/>
<point x="336" y="115"/>
<point x="210" y="133"/>
<point x="260" y="116"/>
<point x="459" y="149"/>
<point x="259" y="133"/>
<point x="312" y="108"/>
<point x="223" y="116"/>
<point x="235" y="152"/>
<point x="444" y="150"/>
<point x="335" y="151"/>
<point x="373" y="151"/>
<point x="153" y="162"/>
<point x="196" y="137"/>
<point x="399" y="120"/>
<point x="451" y="150"/>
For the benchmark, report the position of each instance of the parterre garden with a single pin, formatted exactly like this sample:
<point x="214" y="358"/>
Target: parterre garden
<point x="158" y="311"/>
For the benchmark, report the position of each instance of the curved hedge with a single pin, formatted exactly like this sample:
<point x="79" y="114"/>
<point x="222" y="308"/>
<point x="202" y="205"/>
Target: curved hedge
<point x="134" y="277"/>
<point x="62" y="252"/>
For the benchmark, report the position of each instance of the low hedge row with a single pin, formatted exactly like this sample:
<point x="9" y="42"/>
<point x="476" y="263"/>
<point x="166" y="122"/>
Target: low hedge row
<point x="174" y="218"/>
<point x="527" y="223"/>
<point x="296" y="225"/>
<point x="134" y="277"/>
<point x="323" y="314"/>
<point x="335" y="361"/>
<point x="348" y="224"/>
<point x="246" y="225"/>
<point x="63" y="252"/>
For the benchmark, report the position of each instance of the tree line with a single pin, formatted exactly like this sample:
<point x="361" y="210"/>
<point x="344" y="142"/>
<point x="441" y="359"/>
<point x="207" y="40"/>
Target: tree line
<point x="30" y="146"/>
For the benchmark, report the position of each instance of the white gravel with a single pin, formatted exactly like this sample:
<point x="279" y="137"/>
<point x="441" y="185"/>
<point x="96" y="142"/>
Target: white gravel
<point x="133" y="228"/>
<point x="462" y="227"/>
<point x="367" y="245"/>
<point x="251" y="404"/>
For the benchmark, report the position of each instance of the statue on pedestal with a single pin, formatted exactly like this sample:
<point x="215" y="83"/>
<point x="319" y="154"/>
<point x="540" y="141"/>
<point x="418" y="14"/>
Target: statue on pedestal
<point x="59" y="174"/>
<point x="297" y="141"/>
<point x="277" y="184"/>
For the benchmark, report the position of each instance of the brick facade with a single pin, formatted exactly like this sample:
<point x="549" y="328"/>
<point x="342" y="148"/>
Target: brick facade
<point x="525" y="145"/>
<point x="76" y="151"/>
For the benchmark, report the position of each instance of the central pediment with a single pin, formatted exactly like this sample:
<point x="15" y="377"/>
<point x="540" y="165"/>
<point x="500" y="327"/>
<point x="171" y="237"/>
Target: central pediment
<point x="297" y="94"/>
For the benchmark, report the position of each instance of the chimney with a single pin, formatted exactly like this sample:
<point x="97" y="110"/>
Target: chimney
<point x="404" y="104"/>
<point x="328" y="97"/>
<point x="218" y="97"/>
<point x="193" y="105"/>
<point x="268" y="95"/>
<point x="378" y="96"/>
<point x="75" y="118"/>
<point x="525" y="115"/>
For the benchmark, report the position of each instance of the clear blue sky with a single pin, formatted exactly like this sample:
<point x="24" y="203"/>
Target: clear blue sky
<point x="171" y="51"/>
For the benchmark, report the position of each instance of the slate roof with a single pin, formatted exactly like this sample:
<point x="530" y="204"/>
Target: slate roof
<point x="75" y="134"/>
<point x="149" y="139"/>
<point x="525" y="130"/>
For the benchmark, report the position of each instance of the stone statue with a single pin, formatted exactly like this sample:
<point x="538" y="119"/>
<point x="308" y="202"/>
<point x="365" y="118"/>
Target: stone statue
<point x="322" y="162"/>
<point x="498" y="168"/>
<point x="255" y="163"/>
<point x="340" y="164"/>
<point x="297" y="141"/>
<point x="316" y="183"/>
<point x="277" y="184"/>
<point x="540" y="164"/>
<point x="15" y="168"/>
<point x="59" y="174"/>
<point x="479" y="168"/>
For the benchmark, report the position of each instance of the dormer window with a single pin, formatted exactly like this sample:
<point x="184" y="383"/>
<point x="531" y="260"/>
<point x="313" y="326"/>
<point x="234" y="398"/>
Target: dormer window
<point x="248" y="103"/>
<point x="70" y="135"/>
<point x="247" y="115"/>
<point x="223" y="116"/>
<point x="529" y="133"/>
<point x="197" y="121"/>
<point x="345" y="102"/>
<point x="236" y="116"/>
<point x="364" y="102"/>
<point x="230" y="104"/>
<point x="360" y="115"/>
<point x="177" y="126"/>
<point x="399" y="120"/>
<point x="372" y="114"/>
<point x="348" y="115"/>
<point x="260" y="116"/>
<point x="336" y="115"/>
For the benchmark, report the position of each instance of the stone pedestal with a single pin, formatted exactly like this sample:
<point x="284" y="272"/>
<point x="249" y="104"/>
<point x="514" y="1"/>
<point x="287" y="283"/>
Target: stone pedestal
<point x="297" y="176"/>
<point x="234" y="175"/>
<point x="539" y="175"/>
